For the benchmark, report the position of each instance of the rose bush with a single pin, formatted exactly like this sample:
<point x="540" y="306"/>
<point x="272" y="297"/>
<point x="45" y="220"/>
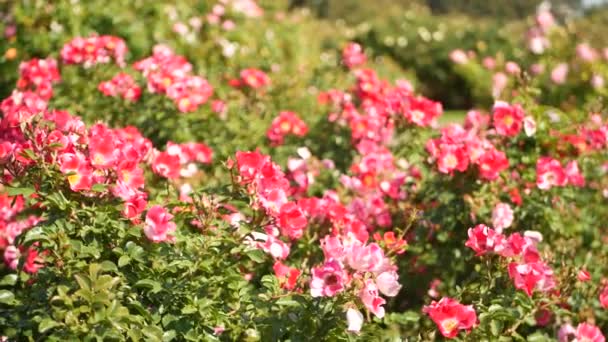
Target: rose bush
<point x="231" y="177"/>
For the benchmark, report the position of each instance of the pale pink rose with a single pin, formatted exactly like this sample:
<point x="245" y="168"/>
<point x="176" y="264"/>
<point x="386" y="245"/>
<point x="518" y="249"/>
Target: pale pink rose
<point x="355" y="320"/>
<point x="502" y="217"/>
<point x="365" y="258"/>
<point x="529" y="126"/>
<point x="388" y="283"/>
<point x="371" y="299"/>
<point x="559" y="73"/>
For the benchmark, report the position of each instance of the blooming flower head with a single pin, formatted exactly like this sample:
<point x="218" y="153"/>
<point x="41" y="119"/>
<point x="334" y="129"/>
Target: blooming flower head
<point x="507" y="119"/>
<point x="388" y="283"/>
<point x="491" y="163"/>
<point x="603" y="297"/>
<point x="122" y="85"/>
<point x="452" y="157"/>
<point x="371" y="299"/>
<point x="365" y="258"/>
<point x="483" y="239"/>
<point x="166" y="165"/>
<point x="288" y="276"/>
<point x="355" y="320"/>
<point x="502" y="216"/>
<point x="451" y="316"/>
<point x="560" y="73"/>
<point x="549" y="173"/>
<point x="328" y="279"/>
<point x="284" y="124"/>
<point x="352" y="55"/>
<point x="532" y="276"/>
<point x="254" y="78"/>
<point x="422" y="111"/>
<point x="158" y="226"/>
<point x="292" y="220"/>
<point x="586" y="332"/>
<point x="574" y="175"/>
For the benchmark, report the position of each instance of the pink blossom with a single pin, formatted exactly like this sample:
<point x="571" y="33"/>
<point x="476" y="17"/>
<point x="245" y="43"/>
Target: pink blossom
<point x="451" y="316"/>
<point x="355" y="320"/>
<point x="586" y="332"/>
<point x="502" y="216"/>
<point x="158" y="226"/>
<point x="365" y="258"/>
<point x="559" y="73"/>
<point x="388" y="283"/>
<point x="328" y="279"/>
<point x="532" y="276"/>
<point x="371" y="299"/>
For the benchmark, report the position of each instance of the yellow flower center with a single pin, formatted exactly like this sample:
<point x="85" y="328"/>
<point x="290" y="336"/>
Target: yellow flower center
<point x="449" y="325"/>
<point x="74" y="179"/>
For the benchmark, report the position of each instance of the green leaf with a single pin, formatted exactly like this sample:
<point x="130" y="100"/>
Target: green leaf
<point x="257" y="255"/>
<point x="99" y="187"/>
<point x="189" y="309"/>
<point x="538" y="337"/>
<point x="109" y="266"/>
<point x="26" y="192"/>
<point x="6" y="297"/>
<point x="154" y="286"/>
<point x="152" y="333"/>
<point x="169" y="335"/>
<point x="9" y="280"/>
<point x="83" y="282"/>
<point x="496" y="327"/>
<point x="123" y="261"/>
<point x="286" y="301"/>
<point x="47" y="324"/>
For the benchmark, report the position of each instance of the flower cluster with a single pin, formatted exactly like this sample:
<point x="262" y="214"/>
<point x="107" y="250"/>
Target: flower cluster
<point x="94" y="50"/>
<point x="169" y="74"/>
<point x="180" y="161"/>
<point x="122" y="85"/>
<point x="457" y="148"/>
<point x="270" y="190"/>
<point x="284" y="124"/>
<point x="38" y="75"/>
<point x="351" y="264"/>
<point x="550" y="173"/>
<point x="353" y="56"/>
<point x="528" y="271"/>
<point x="11" y="226"/>
<point x="94" y="160"/>
<point x="251" y="78"/>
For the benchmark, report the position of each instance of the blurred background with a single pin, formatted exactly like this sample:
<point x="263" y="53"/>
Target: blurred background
<point x="415" y="38"/>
